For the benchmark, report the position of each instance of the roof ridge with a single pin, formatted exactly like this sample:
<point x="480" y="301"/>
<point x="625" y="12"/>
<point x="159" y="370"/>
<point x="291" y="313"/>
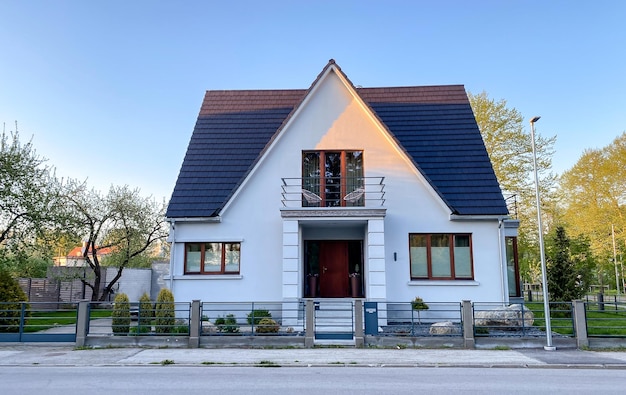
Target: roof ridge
<point x="256" y="90"/>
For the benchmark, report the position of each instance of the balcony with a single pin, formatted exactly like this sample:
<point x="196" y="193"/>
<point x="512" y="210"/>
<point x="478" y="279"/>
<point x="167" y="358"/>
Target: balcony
<point x="333" y="192"/>
<point x="512" y="203"/>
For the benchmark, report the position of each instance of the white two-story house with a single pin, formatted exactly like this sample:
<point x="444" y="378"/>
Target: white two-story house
<point x="340" y="192"/>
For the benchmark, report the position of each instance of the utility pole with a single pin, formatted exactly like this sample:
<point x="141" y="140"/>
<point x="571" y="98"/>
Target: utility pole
<point x="617" y="285"/>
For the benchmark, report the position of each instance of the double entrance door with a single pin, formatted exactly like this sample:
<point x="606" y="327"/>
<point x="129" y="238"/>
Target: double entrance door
<point x="333" y="268"/>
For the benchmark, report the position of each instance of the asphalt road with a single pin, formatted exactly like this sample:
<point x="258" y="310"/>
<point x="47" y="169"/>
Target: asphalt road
<point x="172" y="379"/>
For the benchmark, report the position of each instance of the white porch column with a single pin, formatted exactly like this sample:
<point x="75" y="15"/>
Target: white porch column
<point x="376" y="273"/>
<point x="291" y="259"/>
<point x="291" y="271"/>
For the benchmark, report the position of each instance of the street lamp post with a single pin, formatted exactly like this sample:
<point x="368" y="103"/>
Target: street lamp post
<point x="544" y="276"/>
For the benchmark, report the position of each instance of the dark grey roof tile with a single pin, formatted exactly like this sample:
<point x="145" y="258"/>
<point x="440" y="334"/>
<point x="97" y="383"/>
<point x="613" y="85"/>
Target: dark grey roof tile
<point x="434" y="124"/>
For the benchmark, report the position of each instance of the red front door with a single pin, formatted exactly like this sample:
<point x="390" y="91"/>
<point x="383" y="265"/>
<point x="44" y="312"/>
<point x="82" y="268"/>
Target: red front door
<point x="333" y="269"/>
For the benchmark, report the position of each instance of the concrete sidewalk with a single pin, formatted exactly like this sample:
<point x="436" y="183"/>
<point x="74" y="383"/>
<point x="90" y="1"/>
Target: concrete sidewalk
<point x="63" y="355"/>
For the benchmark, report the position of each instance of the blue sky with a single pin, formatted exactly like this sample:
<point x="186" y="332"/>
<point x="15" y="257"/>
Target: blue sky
<point x="110" y="90"/>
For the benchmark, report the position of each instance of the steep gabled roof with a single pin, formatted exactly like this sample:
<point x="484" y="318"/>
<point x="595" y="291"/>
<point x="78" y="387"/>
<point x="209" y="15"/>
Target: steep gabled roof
<point x="437" y="128"/>
<point x="434" y="124"/>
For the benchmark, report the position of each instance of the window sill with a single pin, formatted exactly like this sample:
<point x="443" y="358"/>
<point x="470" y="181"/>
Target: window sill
<point x="451" y="283"/>
<point x="209" y="277"/>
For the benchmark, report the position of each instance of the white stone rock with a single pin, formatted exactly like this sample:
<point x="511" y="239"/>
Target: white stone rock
<point x="444" y="328"/>
<point x="208" y="327"/>
<point x="505" y="317"/>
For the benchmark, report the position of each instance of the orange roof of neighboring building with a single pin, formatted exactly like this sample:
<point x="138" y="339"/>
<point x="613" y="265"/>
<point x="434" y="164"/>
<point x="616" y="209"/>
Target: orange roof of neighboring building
<point x="78" y="251"/>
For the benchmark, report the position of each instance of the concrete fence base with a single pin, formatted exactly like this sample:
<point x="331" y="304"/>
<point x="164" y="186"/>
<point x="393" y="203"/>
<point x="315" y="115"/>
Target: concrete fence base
<point x="467" y="340"/>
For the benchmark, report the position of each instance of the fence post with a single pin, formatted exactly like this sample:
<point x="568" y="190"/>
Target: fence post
<point x="82" y="323"/>
<point x="580" y="324"/>
<point x="194" y="325"/>
<point x="309" y="329"/>
<point x="467" y="316"/>
<point x="359" y="340"/>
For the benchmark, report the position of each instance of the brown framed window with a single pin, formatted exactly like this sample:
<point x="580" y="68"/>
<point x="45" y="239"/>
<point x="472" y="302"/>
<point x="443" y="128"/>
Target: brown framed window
<point x="212" y="258"/>
<point x="512" y="266"/>
<point x="441" y="256"/>
<point x="333" y="179"/>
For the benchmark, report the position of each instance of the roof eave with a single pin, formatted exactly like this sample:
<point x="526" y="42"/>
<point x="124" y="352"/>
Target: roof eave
<point x="214" y="219"/>
<point x="478" y="217"/>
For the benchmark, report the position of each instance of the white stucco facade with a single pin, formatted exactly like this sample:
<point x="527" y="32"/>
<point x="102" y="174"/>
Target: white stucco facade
<point x="332" y="117"/>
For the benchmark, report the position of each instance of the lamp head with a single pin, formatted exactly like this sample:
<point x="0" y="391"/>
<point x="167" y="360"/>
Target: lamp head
<point x="535" y="119"/>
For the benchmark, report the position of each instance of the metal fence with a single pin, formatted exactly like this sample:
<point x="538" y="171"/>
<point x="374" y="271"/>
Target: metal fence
<point x="334" y="319"/>
<point x="37" y="322"/>
<point x="401" y="319"/>
<point x="34" y="321"/>
<point x="534" y="293"/>
<point x="169" y="319"/>
<point x="605" y="319"/>
<point x="253" y="319"/>
<point x="521" y="320"/>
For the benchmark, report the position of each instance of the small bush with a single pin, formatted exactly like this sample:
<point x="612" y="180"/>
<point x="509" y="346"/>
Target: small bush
<point x="418" y="304"/>
<point x="165" y="313"/>
<point x="11" y="309"/>
<point x="146" y="312"/>
<point x="138" y="330"/>
<point x="227" y="324"/>
<point x="267" y="325"/>
<point x="257" y="315"/>
<point x="121" y="315"/>
<point x="181" y="327"/>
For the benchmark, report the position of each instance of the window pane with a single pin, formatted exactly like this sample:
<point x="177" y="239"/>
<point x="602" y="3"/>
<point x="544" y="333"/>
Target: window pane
<point x="332" y="166"/>
<point x="418" y="256"/>
<point x="355" y="186"/>
<point x="510" y="266"/>
<point x="212" y="257"/>
<point x="462" y="257"/>
<point x="232" y="254"/>
<point x="192" y="265"/>
<point x="311" y="179"/>
<point x="440" y="256"/>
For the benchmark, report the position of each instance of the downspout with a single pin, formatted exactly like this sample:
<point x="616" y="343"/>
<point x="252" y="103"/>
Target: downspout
<point x="502" y="255"/>
<point x="172" y="253"/>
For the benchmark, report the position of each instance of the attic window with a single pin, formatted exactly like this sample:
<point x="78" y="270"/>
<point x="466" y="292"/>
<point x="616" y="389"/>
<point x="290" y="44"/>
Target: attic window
<point x="332" y="179"/>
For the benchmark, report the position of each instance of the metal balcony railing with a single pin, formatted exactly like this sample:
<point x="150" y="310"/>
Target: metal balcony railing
<point x="333" y="192"/>
<point x="512" y="203"/>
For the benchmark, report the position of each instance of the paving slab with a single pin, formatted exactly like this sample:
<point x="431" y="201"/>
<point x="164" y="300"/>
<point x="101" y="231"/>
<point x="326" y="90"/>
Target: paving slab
<point x="63" y="355"/>
<point x="326" y="356"/>
<point x="576" y="357"/>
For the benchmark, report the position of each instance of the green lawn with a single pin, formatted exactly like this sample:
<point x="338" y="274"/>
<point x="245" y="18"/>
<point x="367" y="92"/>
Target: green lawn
<point x="560" y="321"/>
<point x="610" y="322"/>
<point x="43" y="319"/>
<point x="606" y="323"/>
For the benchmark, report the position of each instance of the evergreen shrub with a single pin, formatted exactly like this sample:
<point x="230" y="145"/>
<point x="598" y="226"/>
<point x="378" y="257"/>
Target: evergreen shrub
<point x="165" y="312"/>
<point x="10" y="308"/>
<point x="121" y="315"/>
<point x="267" y="325"/>
<point x="227" y="324"/>
<point x="257" y="315"/>
<point x="146" y="313"/>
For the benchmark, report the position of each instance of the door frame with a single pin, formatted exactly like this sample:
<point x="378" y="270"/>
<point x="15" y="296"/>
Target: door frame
<point x="350" y="255"/>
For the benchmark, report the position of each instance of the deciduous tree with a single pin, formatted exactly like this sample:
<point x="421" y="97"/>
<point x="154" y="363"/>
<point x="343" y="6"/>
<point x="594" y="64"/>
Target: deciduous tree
<point x="509" y="146"/>
<point x="29" y="192"/>
<point x="593" y="193"/>
<point x="121" y="221"/>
